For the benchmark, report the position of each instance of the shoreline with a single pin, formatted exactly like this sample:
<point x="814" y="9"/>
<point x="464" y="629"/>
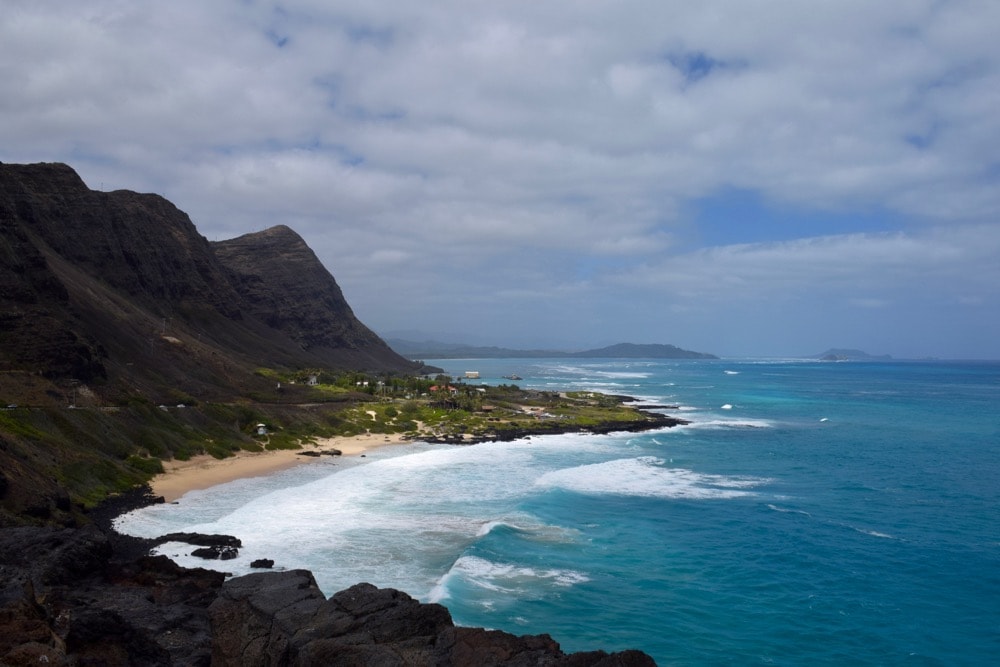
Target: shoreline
<point x="205" y="471"/>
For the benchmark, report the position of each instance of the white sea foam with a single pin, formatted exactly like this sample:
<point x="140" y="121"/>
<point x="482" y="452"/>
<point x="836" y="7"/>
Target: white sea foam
<point x="721" y="423"/>
<point x="402" y="517"/>
<point x="646" y="476"/>
<point x="623" y="375"/>
<point x="394" y="520"/>
<point x="641" y="399"/>
<point x="597" y="371"/>
<point x="786" y="510"/>
<point x="875" y="533"/>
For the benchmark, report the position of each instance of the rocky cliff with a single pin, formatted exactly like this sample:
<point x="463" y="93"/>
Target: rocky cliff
<point x="120" y="287"/>
<point x="284" y="285"/>
<point x="114" y="303"/>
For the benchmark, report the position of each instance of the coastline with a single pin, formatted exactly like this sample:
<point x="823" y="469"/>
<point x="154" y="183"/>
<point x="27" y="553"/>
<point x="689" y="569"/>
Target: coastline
<point x="204" y="471"/>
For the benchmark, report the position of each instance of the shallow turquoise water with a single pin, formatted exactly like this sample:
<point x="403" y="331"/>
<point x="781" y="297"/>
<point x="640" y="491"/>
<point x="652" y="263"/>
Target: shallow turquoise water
<point x="812" y="513"/>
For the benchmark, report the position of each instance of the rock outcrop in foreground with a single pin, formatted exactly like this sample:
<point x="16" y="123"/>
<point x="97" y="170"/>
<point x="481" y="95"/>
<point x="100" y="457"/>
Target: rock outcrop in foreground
<point x="66" y="598"/>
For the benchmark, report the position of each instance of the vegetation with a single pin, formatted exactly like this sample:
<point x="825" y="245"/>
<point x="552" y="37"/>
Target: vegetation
<point x="93" y="450"/>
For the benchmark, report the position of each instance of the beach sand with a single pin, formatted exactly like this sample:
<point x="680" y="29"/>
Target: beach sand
<point x="201" y="472"/>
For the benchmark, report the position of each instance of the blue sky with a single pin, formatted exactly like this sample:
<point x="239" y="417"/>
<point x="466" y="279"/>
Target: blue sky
<point x="743" y="177"/>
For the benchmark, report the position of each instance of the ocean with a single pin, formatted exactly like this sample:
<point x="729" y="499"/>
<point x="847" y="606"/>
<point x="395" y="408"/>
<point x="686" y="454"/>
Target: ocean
<point x="812" y="513"/>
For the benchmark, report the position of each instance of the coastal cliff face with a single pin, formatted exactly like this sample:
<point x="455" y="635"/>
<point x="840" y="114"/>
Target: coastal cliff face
<point x="120" y="287"/>
<point x="114" y="303"/>
<point x="284" y="285"/>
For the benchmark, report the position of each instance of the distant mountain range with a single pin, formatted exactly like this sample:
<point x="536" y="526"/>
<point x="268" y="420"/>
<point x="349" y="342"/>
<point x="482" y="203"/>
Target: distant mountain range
<point x="439" y="350"/>
<point x="847" y="354"/>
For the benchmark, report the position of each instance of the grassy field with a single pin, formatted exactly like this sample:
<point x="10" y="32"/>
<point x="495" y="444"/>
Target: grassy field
<point x="90" y="451"/>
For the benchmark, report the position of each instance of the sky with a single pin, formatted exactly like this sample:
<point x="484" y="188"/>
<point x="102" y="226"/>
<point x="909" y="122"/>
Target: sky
<point x="739" y="177"/>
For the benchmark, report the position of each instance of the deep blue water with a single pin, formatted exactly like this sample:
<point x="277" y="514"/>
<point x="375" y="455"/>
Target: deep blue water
<point x="812" y="513"/>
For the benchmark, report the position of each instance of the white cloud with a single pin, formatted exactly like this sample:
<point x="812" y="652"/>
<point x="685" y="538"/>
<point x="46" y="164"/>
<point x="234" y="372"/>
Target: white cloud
<point x="555" y="144"/>
<point x="918" y="265"/>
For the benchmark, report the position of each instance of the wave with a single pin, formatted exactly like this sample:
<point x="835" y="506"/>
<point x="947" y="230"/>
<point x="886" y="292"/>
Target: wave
<point x="785" y="510"/>
<point x="504" y="578"/>
<point x="528" y="528"/>
<point x="569" y="369"/>
<point x="646" y="477"/>
<point x="727" y="423"/>
<point x="870" y="532"/>
<point x="490" y="526"/>
<point x="875" y="533"/>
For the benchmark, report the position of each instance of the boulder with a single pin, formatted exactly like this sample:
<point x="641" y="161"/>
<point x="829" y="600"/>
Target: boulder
<point x="216" y="552"/>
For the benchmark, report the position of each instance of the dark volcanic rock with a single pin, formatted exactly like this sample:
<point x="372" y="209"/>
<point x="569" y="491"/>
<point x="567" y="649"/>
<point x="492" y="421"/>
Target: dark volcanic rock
<point x="284" y="619"/>
<point x="201" y="539"/>
<point x="216" y="552"/>
<point x="64" y="601"/>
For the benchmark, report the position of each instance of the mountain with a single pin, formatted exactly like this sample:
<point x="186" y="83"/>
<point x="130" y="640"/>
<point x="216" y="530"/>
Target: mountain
<point x="846" y="354"/>
<point x="438" y="350"/>
<point x="634" y="351"/>
<point x="118" y="291"/>
<point x="431" y="349"/>
<point x="285" y="286"/>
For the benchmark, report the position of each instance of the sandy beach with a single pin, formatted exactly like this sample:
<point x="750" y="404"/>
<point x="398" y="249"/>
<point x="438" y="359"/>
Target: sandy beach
<point x="202" y="472"/>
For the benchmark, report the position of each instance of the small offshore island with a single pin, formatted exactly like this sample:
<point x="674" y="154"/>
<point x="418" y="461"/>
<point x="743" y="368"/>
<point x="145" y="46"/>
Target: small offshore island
<point x="130" y="343"/>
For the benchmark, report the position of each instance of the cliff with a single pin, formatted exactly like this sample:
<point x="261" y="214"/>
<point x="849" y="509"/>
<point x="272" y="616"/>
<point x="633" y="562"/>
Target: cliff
<point x="285" y="286"/>
<point x="120" y="287"/>
<point x="126" y="337"/>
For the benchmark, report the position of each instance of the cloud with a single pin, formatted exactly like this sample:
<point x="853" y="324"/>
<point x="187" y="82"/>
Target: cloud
<point x="526" y="149"/>
<point x="854" y="266"/>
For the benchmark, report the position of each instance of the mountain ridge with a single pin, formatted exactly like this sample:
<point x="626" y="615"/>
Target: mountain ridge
<point x="118" y="289"/>
<point x="850" y="354"/>
<point x="440" y="350"/>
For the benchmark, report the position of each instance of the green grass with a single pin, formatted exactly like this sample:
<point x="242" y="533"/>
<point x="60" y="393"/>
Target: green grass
<point x="94" y="452"/>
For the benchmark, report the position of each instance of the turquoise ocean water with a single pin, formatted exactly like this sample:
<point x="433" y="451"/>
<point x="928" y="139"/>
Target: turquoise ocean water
<point x="813" y="513"/>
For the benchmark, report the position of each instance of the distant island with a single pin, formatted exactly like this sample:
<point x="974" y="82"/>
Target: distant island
<point x="439" y="350"/>
<point x="846" y="354"/>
